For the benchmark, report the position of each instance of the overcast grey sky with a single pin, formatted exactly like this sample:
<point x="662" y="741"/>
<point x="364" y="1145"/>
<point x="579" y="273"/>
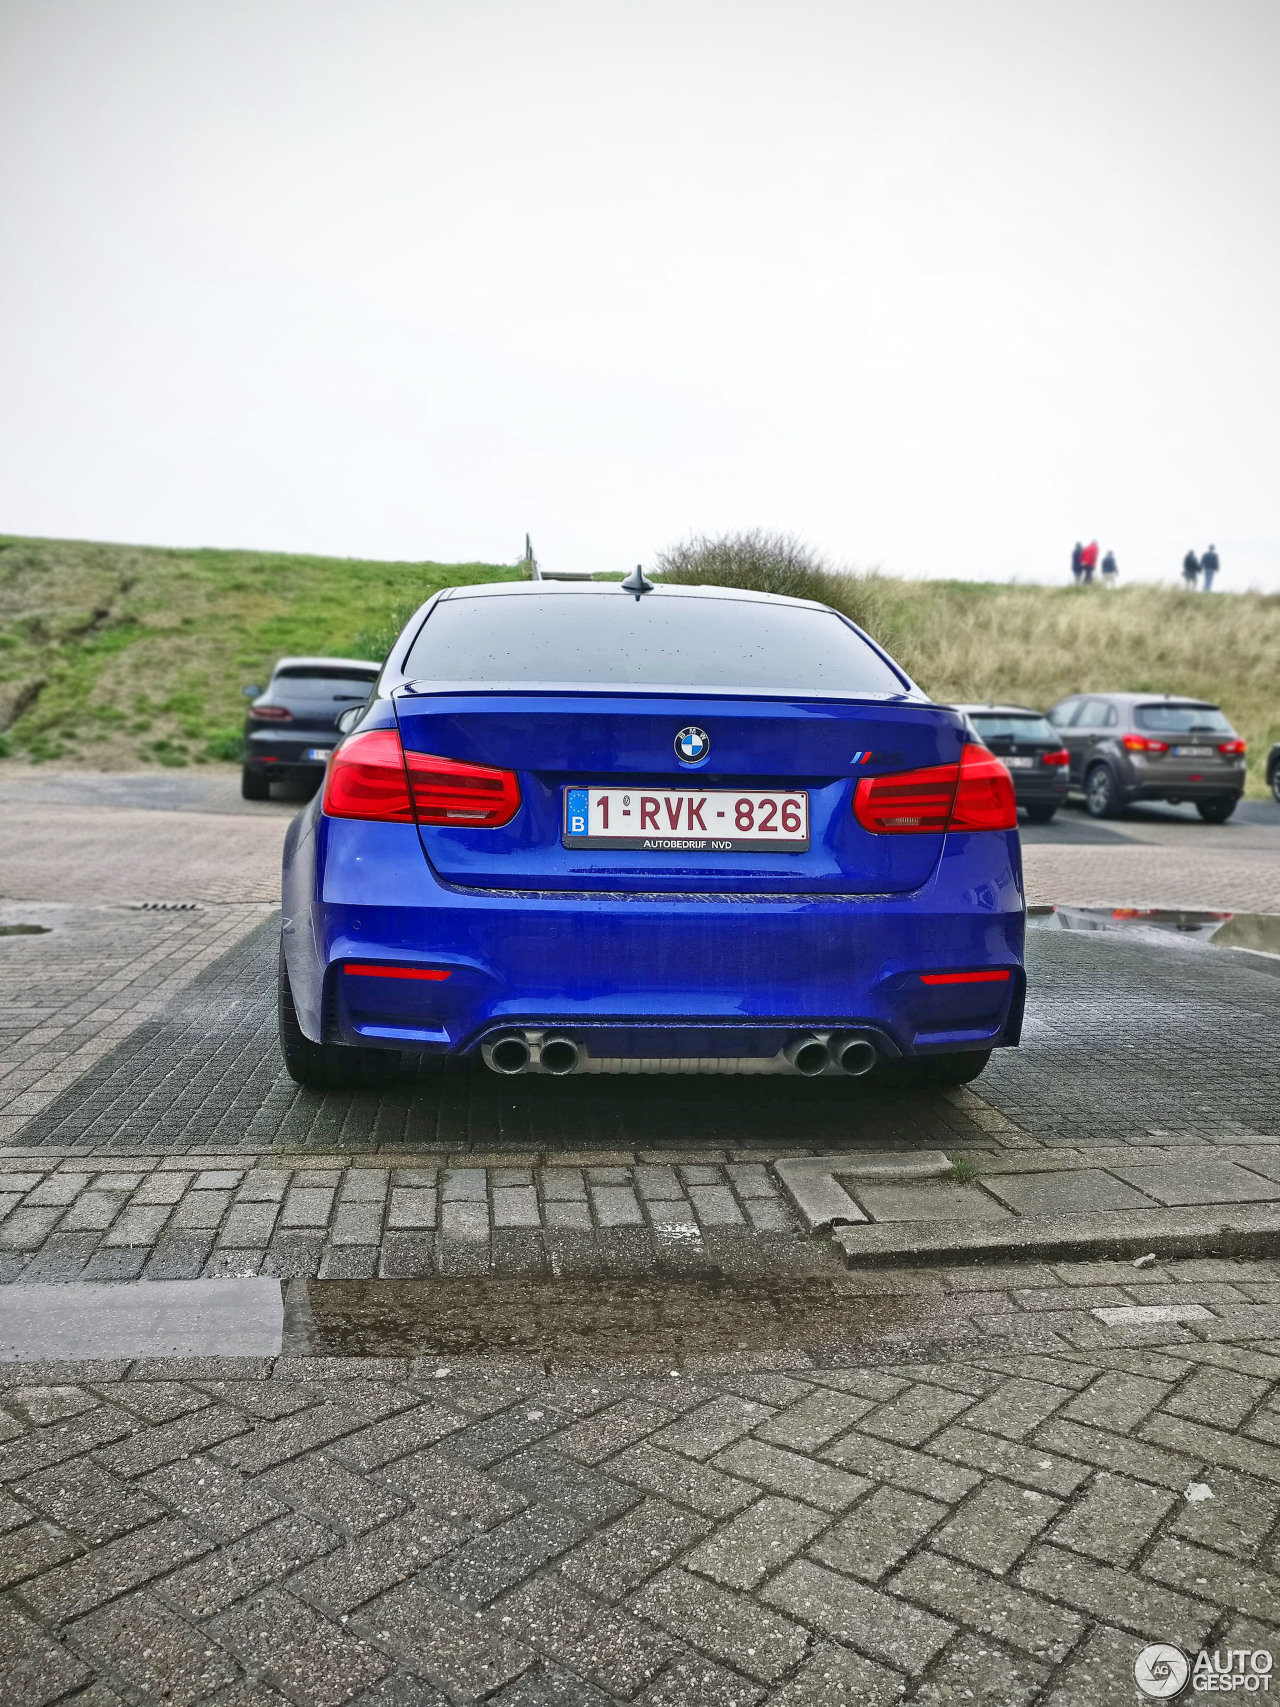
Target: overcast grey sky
<point x="940" y="286"/>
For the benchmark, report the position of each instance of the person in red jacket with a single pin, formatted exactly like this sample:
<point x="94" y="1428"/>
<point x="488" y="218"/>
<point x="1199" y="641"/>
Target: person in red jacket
<point x="1089" y="562"/>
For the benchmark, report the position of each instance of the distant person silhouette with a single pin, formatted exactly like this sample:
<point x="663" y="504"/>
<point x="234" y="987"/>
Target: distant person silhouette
<point x="1191" y="570"/>
<point x="1110" y="569"/>
<point x="1089" y="561"/>
<point x="1077" y="568"/>
<point x="1209" y="567"/>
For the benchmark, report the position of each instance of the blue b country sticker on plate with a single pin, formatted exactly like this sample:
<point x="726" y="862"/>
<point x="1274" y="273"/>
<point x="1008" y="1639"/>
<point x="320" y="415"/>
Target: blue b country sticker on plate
<point x="575" y="811"/>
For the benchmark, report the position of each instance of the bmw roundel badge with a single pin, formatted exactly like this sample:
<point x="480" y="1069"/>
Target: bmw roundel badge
<point x="692" y="744"/>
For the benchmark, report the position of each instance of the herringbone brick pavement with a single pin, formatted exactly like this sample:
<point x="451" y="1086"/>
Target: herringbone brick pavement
<point x="1002" y="1527"/>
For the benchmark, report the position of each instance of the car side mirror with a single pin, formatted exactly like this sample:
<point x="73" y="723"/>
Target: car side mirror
<point x="349" y="719"/>
<point x="252" y="691"/>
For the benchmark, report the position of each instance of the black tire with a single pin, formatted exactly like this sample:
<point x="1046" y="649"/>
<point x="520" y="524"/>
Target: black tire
<point x="1274" y="781"/>
<point x="1101" y="796"/>
<point x="328" y="1066"/>
<point x="928" y="1071"/>
<point x="1040" y="814"/>
<point x="1217" y="811"/>
<point x="253" y="785"/>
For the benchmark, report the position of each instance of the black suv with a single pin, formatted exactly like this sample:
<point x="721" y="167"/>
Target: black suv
<point x="1033" y="751"/>
<point x="1142" y="746"/>
<point x="292" y="727"/>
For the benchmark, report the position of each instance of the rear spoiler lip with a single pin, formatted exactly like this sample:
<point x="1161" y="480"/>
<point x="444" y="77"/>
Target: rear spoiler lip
<point x="913" y="699"/>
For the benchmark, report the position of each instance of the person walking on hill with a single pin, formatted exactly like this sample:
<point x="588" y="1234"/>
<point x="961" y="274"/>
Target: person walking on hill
<point x="1110" y="569"/>
<point x="1076" y="566"/>
<point x="1089" y="561"/>
<point x="1209" y="567"/>
<point x="1191" y="570"/>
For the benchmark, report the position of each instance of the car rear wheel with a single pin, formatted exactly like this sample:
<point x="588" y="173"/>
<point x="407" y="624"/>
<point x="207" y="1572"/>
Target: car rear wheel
<point x="1040" y="814"/>
<point x="253" y="785"/>
<point x="327" y="1066"/>
<point x="1275" y="783"/>
<point x="1217" y="811"/>
<point x="925" y="1071"/>
<point x="1101" y="796"/>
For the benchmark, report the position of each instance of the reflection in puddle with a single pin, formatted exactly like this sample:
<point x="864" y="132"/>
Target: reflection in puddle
<point x="140" y="1318"/>
<point x="609" y="1318"/>
<point x="25" y="930"/>
<point x="1257" y="932"/>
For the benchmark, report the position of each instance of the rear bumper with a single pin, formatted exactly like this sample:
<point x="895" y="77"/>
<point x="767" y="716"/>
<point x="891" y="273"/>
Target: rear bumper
<point x="1208" y="789"/>
<point x="1047" y="789"/>
<point x="702" y="975"/>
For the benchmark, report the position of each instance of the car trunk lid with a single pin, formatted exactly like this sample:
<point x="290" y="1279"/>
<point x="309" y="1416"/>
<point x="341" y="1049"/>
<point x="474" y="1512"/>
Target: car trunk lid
<point x="557" y="740"/>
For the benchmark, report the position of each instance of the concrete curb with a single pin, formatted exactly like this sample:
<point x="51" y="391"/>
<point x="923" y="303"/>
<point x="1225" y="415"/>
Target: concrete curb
<point x="813" y="1182"/>
<point x="1239" y="1230"/>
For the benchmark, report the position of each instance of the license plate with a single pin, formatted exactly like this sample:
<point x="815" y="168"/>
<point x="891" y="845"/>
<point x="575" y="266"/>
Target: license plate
<point x="1193" y="752"/>
<point x="317" y="752"/>
<point x="1020" y="764"/>
<point x="682" y="820"/>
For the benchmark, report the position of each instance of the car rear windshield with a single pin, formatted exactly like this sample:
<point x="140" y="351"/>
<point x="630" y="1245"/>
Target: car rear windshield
<point x="1183" y="719"/>
<point x="655" y="641"/>
<point x="1001" y="726"/>
<point x="323" y="681"/>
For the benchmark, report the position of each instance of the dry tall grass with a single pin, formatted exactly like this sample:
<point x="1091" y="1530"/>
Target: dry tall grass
<point x="967" y="640"/>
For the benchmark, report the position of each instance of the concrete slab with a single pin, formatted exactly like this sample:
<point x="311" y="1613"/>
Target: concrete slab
<point x="813" y="1183"/>
<point x="1071" y="1191"/>
<point x="1200" y="1181"/>
<point x="935" y="1200"/>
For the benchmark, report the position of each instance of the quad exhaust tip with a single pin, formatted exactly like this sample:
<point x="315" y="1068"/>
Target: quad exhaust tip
<point x="811" y="1056"/>
<point x="808" y="1055"/>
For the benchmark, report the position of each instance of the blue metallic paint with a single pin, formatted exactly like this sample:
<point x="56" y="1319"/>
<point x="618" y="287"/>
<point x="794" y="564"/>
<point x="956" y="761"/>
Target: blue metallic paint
<point x="748" y="968"/>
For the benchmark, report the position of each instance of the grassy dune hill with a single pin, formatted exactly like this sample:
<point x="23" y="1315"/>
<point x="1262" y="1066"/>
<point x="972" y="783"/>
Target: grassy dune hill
<point x="966" y="640"/>
<point x="117" y="657"/>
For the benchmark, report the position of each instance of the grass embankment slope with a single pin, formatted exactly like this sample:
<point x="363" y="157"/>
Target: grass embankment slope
<point x="117" y="657"/>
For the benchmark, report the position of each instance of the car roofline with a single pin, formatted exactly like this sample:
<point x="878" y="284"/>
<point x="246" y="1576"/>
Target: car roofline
<point x="327" y="662"/>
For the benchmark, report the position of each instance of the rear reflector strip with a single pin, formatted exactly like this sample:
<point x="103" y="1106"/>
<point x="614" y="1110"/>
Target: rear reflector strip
<point x="965" y="977"/>
<point x="392" y="972"/>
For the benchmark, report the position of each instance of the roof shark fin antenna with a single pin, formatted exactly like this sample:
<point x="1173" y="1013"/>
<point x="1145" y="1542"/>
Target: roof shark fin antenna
<point x="637" y="582"/>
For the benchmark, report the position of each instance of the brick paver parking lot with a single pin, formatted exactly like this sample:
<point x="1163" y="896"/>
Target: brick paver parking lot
<point x="571" y="1408"/>
<point x="1008" y="1522"/>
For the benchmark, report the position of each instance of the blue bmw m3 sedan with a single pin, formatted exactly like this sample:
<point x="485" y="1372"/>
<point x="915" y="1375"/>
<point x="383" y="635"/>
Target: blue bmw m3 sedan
<point x="591" y="828"/>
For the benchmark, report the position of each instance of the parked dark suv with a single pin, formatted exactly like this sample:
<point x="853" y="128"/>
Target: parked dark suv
<point x="292" y="727"/>
<point x="1033" y="751"/>
<point x="1141" y="746"/>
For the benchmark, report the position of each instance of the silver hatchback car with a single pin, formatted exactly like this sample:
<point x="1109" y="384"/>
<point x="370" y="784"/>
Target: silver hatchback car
<point x="1140" y="746"/>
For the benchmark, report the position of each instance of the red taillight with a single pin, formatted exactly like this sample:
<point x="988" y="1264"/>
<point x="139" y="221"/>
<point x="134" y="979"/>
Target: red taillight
<point x="985" y="799"/>
<point x="432" y="975"/>
<point x="271" y="713"/>
<point x="976" y="794"/>
<point x="1233" y="746"/>
<point x="371" y="776"/>
<point x="1144" y="744"/>
<point x="1060" y="757"/>
<point x="366" y="779"/>
<point x="965" y="977"/>
<point x="907" y="803"/>
<point x="445" y="791"/>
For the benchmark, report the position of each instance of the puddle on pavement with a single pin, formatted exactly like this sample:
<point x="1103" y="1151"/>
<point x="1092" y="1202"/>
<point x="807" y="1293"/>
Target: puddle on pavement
<point x="654" y="1316"/>
<point x="140" y="1318"/>
<point x="667" y="1316"/>
<point x="1257" y="932"/>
